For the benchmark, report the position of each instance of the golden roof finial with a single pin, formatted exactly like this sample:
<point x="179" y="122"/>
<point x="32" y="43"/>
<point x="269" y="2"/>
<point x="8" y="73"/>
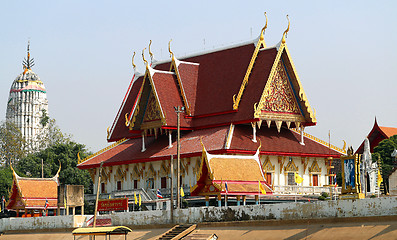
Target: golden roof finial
<point x="286" y="31"/>
<point x="150" y="52"/>
<point x="133" y="64"/>
<point x="169" y="49"/>
<point x="143" y="56"/>
<point x="263" y="29"/>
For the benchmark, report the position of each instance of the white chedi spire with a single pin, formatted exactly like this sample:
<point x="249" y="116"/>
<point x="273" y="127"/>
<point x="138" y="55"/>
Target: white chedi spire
<point x="27" y="102"/>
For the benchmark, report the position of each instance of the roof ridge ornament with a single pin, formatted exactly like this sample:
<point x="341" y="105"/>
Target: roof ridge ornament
<point x="286" y="31"/>
<point x="143" y="57"/>
<point x="263" y="29"/>
<point x="169" y="50"/>
<point x="150" y="53"/>
<point x="133" y="64"/>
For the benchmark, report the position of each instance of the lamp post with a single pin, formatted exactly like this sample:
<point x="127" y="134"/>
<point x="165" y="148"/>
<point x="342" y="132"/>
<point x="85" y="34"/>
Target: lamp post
<point x="178" y="111"/>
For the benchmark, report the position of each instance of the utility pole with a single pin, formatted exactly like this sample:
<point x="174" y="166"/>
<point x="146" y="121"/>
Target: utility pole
<point x="178" y="111"/>
<point x="97" y="194"/>
<point x="172" y="188"/>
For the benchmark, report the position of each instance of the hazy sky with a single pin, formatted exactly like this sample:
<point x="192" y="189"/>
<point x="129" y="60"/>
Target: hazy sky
<point x="344" y="53"/>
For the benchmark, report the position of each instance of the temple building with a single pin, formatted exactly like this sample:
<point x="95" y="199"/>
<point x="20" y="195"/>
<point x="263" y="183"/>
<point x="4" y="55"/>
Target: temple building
<point x="376" y="135"/>
<point x="27" y="103"/>
<point x="33" y="197"/>
<point x="244" y="102"/>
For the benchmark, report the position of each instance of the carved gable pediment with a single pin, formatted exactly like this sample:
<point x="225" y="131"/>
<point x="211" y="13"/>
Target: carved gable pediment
<point x="291" y="167"/>
<point x="165" y="168"/>
<point x="120" y="174"/>
<point x="314" y="168"/>
<point x="267" y="165"/>
<point x="150" y="173"/>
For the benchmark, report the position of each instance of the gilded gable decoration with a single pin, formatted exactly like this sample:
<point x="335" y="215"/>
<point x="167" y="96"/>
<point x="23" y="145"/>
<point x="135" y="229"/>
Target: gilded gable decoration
<point x="165" y="168"/>
<point x="120" y="174"/>
<point x="106" y="172"/>
<point x="151" y="173"/>
<point x="305" y="162"/>
<point x="92" y="172"/>
<point x="136" y="172"/>
<point x="260" y="43"/>
<point x="314" y="167"/>
<point x="267" y="165"/>
<point x="291" y="167"/>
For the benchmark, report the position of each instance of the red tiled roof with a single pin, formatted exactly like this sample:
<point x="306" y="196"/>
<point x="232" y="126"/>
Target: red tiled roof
<point x="286" y="142"/>
<point x="119" y="130"/>
<point x="273" y="143"/>
<point x="376" y="135"/>
<point x="167" y="91"/>
<point x="189" y="76"/>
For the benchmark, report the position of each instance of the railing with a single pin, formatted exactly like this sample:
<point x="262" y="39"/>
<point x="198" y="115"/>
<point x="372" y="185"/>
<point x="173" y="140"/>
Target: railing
<point x="120" y="194"/>
<point x="305" y="190"/>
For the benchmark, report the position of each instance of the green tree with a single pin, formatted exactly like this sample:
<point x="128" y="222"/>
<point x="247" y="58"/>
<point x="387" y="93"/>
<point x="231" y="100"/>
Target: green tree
<point x="5" y="181"/>
<point x="66" y="154"/>
<point x="12" y="144"/>
<point x="383" y="152"/>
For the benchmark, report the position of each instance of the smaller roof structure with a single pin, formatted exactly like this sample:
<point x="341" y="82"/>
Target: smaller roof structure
<point x="104" y="231"/>
<point x="229" y="175"/>
<point x="377" y="134"/>
<point x="33" y="193"/>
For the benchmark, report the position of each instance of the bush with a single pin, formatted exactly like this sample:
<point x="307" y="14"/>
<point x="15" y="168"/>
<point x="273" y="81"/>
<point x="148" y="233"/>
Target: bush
<point x="322" y="198"/>
<point x="324" y="194"/>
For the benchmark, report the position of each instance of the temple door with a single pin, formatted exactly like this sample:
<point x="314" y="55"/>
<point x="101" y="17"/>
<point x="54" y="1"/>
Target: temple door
<point x="315" y="180"/>
<point x="269" y="178"/>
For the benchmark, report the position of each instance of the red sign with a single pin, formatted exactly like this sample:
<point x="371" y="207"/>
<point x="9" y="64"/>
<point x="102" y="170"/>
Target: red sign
<point x="113" y="204"/>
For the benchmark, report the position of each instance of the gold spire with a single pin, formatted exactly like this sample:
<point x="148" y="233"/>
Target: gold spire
<point x="169" y="49"/>
<point x="150" y="52"/>
<point x="133" y="64"/>
<point x="263" y="29"/>
<point x="286" y="31"/>
<point x="143" y="56"/>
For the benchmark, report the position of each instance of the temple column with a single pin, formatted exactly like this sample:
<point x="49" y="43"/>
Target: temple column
<point x="238" y="200"/>
<point x="73" y="211"/>
<point x="82" y="210"/>
<point x="256" y="199"/>
<point x="207" y="201"/>
<point x="219" y="200"/>
<point x="225" y="200"/>
<point x="244" y="200"/>
<point x="143" y="142"/>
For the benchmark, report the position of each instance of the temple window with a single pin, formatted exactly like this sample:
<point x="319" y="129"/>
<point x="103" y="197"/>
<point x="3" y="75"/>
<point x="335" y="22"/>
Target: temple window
<point x="291" y="178"/>
<point x="268" y="178"/>
<point x="135" y="184"/>
<point x="150" y="183"/>
<point x="315" y="180"/>
<point x="119" y="188"/>
<point x="164" y="182"/>
<point x="103" y="188"/>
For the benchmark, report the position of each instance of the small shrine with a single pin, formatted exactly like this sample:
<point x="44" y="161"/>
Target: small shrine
<point x="33" y="197"/>
<point x="230" y="175"/>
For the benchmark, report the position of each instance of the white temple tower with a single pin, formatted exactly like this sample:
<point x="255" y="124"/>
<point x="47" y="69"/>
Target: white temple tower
<point x="27" y="102"/>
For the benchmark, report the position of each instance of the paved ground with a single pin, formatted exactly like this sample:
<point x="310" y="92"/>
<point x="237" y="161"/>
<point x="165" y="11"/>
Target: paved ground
<point x="371" y="228"/>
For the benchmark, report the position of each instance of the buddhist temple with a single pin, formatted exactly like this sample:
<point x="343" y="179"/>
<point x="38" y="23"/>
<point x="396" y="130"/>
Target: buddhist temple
<point x="232" y="99"/>
<point x="27" y="102"/>
<point x="30" y="197"/>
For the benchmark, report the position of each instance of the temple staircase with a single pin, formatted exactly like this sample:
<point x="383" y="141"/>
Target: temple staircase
<point x="178" y="232"/>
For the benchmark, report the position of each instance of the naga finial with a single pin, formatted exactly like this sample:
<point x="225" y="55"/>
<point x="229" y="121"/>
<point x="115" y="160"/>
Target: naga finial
<point x="263" y="29"/>
<point x="169" y="49"/>
<point x="143" y="56"/>
<point x="286" y="31"/>
<point x="133" y="64"/>
<point x="150" y="52"/>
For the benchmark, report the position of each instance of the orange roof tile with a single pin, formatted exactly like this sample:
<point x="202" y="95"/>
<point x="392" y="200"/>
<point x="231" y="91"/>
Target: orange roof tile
<point x="389" y="131"/>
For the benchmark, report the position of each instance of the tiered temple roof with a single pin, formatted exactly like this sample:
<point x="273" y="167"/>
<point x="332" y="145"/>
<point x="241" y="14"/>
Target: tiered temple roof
<point x="232" y="97"/>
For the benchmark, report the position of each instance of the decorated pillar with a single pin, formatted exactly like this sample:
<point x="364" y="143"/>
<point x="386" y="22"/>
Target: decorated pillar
<point x="238" y="200"/>
<point x="207" y="201"/>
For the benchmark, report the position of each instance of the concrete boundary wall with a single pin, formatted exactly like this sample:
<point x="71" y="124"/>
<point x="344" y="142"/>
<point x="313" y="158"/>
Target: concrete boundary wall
<point x="385" y="206"/>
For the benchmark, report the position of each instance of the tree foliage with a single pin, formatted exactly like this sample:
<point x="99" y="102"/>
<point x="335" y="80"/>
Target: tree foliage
<point x="5" y="181"/>
<point x="384" y="151"/>
<point x="12" y="143"/>
<point x="63" y="153"/>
